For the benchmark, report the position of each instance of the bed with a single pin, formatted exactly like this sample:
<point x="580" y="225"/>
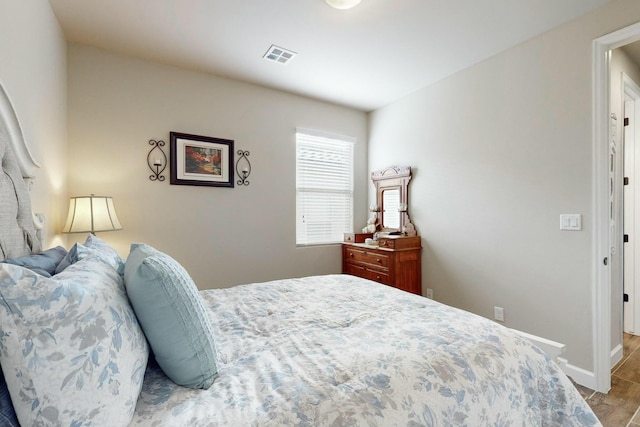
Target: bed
<point x="90" y="339"/>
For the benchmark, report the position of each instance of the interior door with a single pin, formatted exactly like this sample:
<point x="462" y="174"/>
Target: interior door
<point x="630" y="305"/>
<point x="631" y="140"/>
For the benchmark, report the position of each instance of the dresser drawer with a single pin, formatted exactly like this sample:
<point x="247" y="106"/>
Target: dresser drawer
<point x="399" y="266"/>
<point x="367" y="257"/>
<point x="366" y="273"/>
<point x="399" y="242"/>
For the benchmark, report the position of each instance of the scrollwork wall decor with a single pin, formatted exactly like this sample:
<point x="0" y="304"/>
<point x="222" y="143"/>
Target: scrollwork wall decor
<point x="156" y="160"/>
<point x="243" y="167"/>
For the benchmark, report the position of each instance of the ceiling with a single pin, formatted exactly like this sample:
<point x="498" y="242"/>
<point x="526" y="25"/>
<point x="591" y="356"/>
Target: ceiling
<point x="365" y="57"/>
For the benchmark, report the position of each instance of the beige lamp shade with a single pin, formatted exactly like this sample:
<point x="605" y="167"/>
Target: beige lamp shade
<point x="91" y="214"/>
<point x="343" y="4"/>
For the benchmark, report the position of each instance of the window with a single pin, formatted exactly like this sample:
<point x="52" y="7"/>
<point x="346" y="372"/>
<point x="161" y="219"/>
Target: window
<point x="324" y="187"/>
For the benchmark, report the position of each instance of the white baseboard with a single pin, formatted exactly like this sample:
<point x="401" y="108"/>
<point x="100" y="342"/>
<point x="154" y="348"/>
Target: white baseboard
<point x="555" y="349"/>
<point x="616" y="355"/>
<point x="584" y="377"/>
<point x="579" y="375"/>
<point x="552" y="348"/>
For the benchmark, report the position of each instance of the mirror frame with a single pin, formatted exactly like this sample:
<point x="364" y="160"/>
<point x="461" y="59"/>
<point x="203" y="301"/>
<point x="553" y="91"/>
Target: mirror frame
<point x="394" y="177"/>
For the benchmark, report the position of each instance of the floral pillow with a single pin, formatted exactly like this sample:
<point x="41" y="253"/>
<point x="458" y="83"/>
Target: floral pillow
<point x="106" y="252"/>
<point x="92" y="246"/>
<point x="70" y="346"/>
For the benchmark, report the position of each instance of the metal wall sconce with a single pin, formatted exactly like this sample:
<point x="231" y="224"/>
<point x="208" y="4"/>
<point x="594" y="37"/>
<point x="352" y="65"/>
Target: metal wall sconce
<point x="243" y="170"/>
<point x="156" y="160"/>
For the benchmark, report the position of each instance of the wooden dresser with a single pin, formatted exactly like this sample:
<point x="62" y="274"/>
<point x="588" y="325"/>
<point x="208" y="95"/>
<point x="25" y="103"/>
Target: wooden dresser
<point x="396" y="262"/>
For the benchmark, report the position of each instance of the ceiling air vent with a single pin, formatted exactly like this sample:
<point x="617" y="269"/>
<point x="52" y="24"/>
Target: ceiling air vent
<point x="279" y="54"/>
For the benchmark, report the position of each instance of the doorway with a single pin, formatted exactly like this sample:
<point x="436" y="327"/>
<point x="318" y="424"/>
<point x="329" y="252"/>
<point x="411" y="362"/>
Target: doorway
<point x="631" y="110"/>
<point x="606" y="249"/>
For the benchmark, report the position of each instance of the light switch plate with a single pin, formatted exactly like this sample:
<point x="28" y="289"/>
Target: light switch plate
<point x="571" y="222"/>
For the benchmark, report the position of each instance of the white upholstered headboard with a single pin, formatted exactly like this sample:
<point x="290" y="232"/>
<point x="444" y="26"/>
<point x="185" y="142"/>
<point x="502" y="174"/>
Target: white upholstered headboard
<point x="18" y="225"/>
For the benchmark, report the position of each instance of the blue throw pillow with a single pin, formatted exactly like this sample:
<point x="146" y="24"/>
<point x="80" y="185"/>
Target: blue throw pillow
<point x="44" y="263"/>
<point x="7" y="413"/>
<point x="172" y="315"/>
<point x="70" y="258"/>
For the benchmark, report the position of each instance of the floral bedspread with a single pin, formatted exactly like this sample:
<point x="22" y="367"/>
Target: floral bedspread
<point x="343" y="351"/>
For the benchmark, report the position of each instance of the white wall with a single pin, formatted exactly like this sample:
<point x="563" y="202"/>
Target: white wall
<point x="499" y="151"/>
<point x="222" y="236"/>
<point x="33" y="73"/>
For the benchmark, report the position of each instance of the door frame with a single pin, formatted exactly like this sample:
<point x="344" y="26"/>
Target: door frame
<point x="601" y="273"/>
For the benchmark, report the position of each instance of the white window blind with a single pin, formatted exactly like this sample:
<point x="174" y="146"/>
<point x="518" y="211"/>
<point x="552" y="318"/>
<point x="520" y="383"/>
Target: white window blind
<point x="324" y="187"/>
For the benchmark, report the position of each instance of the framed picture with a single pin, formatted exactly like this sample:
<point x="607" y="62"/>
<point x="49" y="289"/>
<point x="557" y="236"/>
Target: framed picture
<point x="201" y="160"/>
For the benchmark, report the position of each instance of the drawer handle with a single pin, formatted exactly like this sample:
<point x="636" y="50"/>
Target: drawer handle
<point x="377" y="277"/>
<point x="351" y="254"/>
<point x="379" y="261"/>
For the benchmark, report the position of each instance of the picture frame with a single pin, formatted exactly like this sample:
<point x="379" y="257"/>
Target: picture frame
<point x="201" y="160"/>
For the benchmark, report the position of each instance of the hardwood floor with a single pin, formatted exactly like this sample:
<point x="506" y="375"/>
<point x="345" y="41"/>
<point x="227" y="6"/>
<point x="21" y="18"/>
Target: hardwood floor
<point x="621" y="406"/>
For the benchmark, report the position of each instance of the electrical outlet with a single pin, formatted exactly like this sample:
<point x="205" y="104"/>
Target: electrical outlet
<point x="429" y="293"/>
<point x="498" y="313"/>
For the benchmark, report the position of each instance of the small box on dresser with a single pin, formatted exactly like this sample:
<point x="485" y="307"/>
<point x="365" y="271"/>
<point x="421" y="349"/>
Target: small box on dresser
<point x="396" y="262"/>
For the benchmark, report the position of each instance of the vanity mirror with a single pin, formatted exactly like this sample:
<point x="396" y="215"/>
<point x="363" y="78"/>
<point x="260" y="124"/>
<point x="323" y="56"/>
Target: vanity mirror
<point x="392" y="199"/>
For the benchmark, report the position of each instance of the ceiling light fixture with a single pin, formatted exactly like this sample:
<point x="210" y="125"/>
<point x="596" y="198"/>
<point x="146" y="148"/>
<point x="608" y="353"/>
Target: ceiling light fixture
<point x="343" y="4"/>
